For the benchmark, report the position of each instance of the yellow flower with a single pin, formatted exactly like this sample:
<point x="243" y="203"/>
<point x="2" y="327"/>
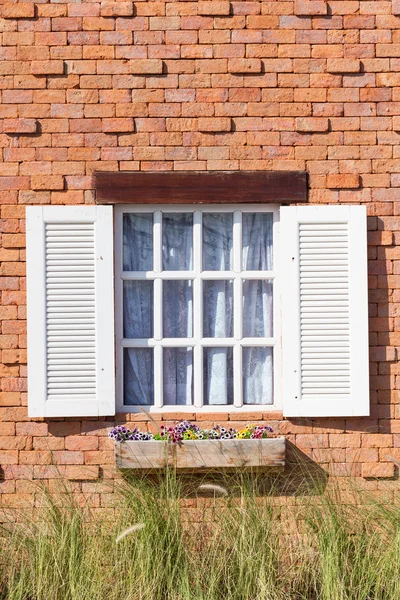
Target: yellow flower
<point x="242" y="433"/>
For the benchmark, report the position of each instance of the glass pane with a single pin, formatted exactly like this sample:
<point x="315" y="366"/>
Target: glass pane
<point x="218" y="308"/>
<point x="257" y="241"/>
<point x="138" y="309"/>
<point x="177" y="241"/>
<point x="257" y="308"/>
<point x="257" y="376"/>
<point x="218" y="376"/>
<point x="138" y="376"/>
<point x="177" y="308"/>
<point x="178" y="375"/>
<point x="217" y="241"/>
<point x="138" y="242"/>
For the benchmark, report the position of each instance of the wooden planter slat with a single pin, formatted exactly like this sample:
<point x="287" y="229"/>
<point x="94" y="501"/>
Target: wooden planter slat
<point x="201" y="454"/>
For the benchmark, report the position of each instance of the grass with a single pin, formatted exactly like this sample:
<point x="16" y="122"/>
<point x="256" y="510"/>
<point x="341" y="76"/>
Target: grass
<point x="243" y="546"/>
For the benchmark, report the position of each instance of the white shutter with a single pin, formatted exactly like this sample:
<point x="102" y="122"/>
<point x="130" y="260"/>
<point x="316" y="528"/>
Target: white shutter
<point x="70" y="311"/>
<point x="324" y="311"/>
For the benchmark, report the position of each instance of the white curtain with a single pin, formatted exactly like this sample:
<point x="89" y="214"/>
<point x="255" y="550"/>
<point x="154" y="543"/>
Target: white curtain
<point x="177" y="255"/>
<point x="218" y="308"/>
<point x="257" y="308"/>
<point x="138" y="309"/>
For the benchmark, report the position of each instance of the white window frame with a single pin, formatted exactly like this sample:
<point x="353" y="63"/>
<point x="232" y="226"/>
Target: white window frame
<point x="196" y="275"/>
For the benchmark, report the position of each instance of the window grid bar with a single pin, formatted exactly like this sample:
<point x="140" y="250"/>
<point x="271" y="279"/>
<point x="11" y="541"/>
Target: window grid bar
<point x="158" y="374"/>
<point x="146" y="275"/>
<point x="191" y="342"/>
<point x="198" y="310"/>
<point x="237" y="309"/>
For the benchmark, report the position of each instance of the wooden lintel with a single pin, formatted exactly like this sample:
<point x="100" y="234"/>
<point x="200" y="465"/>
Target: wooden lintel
<point x="200" y="187"/>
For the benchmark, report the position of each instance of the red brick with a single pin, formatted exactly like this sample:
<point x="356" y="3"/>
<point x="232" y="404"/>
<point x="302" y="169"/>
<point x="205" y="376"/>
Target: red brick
<point x="118" y="125"/>
<point x="214" y="124"/>
<point x="47" y="67"/>
<point x="347" y="181"/>
<point x="81" y="442"/>
<point x="345" y="440"/>
<point x="218" y="7"/>
<point x="20" y="126"/>
<point x="34" y="429"/>
<point x="376" y="440"/>
<point x="17" y="10"/>
<point x="9" y="398"/>
<point x="244" y="65"/>
<point x="99" y="458"/>
<point x="343" y="65"/>
<point x="35" y="457"/>
<point x="47" y="182"/>
<point x="312" y="124"/>
<point x="63" y="457"/>
<point x="310" y="7"/>
<point x="116" y="9"/>
<point x="312" y="440"/>
<point x="48" y="443"/>
<point x="8" y="457"/>
<point x="377" y="470"/>
<point x="84" y="472"/>
<point x="151" y="66"/>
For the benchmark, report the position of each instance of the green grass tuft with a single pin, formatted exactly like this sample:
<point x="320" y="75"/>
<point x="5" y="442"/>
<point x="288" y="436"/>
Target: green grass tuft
<point x="245" y="545"/>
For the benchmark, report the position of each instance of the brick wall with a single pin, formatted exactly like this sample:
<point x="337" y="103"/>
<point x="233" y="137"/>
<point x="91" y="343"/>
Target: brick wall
<point x="200" y="86"/>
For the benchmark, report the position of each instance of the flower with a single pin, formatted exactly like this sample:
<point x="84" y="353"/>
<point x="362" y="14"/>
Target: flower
<point x="186" y="430"/>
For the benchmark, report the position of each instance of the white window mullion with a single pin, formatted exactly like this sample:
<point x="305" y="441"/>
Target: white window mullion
<point x="157" y="265"/>
<point x="237" y="282"/>
<point x="158" y="309"/>
<point x="198" y="310"/>
<point x="237" y="309"/>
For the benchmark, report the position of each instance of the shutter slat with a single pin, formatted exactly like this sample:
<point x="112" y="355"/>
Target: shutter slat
<point x="324" y="312"/>
<point x="56" y="293"/>
<point x="335" y="278"/>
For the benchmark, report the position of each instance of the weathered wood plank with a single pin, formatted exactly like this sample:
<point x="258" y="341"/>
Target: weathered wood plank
<point x="201" y="454"/>
<point x="200" y="187"/>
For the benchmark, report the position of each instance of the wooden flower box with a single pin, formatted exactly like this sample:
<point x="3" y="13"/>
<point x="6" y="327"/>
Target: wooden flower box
<point x="201" y="454"/>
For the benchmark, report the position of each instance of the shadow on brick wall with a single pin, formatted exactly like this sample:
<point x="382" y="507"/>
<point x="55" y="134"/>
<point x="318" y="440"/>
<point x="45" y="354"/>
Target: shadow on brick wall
<point x="300" y="477"/>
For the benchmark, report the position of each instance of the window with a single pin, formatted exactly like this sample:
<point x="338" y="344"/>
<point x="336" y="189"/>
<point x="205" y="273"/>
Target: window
<point x="197" y="306"/>
<point x="199" y="294"/>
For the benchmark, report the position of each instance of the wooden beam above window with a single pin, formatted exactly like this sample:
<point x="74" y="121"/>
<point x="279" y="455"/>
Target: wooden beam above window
<point x="200" y="187"/>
